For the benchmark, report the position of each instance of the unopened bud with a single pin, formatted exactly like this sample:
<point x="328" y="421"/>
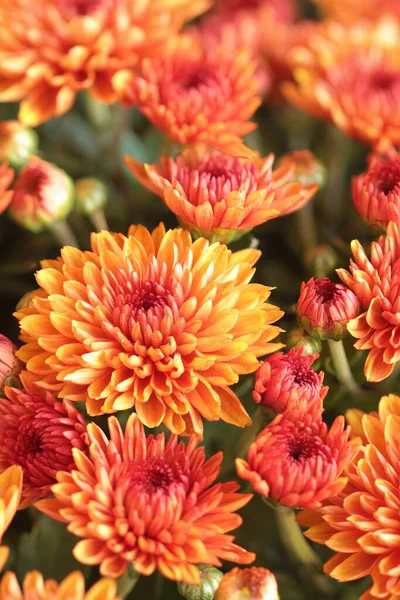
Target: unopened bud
<point x="17" y="143"/>
<point x="307" y="169"/>
<point x="91" y="195"/>
<point x="255" y="583"/>
<point x="9" y="364"/>
<point x="298" y="337"/>
<point x="210" y="580"/>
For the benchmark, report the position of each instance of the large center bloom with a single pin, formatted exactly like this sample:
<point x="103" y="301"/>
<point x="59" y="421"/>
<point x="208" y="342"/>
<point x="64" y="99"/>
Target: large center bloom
<point x="362" y="523"/>
<point x="375" y="282"/>
<point x="220" y="196"/>
<point x="153" y="321"/>
<point x="148" y="502"/>
<point x="51" y="49"/>
<point x="352" y="77"/>
<point x="299" y="462"/>
<point x="194" y="94"/>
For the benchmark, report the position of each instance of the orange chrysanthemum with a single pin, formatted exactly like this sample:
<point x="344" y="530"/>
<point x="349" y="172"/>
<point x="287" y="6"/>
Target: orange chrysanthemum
<point x="376" y="193"/>
<point x="376" y="282"/>
<point x="222" y="197"/>
<point x="351" y="76"/>
<point x="349" y="11"/>
<point x="297" y="461"/>
<point x="362" y="523"/>
<point x="196" y="94"/>
<point x="52" y="49"/>
<point x="148" y="502"/>
<point x="6" y="177"/>
<point x="10" y="496"/>
<point x="152" y="320"/>
<point x="34" y="587"/>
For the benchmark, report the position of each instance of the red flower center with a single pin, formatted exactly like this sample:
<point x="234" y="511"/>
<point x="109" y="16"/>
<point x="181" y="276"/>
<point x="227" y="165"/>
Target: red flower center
<point x="325" y="289"/>
<point x="153" y="476"/>
<point x="303" y="448"/>
<point x="81" y="8"/>
<point x="30" y="181"/>
<point x="303" y="375"/>
<point x="386" y="177"/>
<point x="27" y="443"/>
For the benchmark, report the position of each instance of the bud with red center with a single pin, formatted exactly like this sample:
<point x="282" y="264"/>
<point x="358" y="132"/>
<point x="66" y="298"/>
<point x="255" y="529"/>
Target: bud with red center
<point x="324" y="308"/>
<point x="255" y="583"/>
<point x="17" y="143"/>
<point x="287" y="381"/>
<point x="9" y="364"/>
<point x="42" y="194"/>
<point x="38" y="433"/>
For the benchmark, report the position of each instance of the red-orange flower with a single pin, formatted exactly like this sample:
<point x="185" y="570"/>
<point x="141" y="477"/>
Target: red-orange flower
<point x="38" y="433"/>
<point x="283" y="10"/>
<point x="375" y="282"/>
<point x="152" y="320"/>
<point x="361" y="524"/>
<point x="376" y="193"/>
<point x="6" y="177"/>
<point x="349" y="11"/>
<point x="35" y="587"/>
<point x="351" y="76"/>
<point x="286" y="381"/>
<point x="222" y="197"/>
<point x="194" y="94"/>
<point x="10" y="496"/>
<point x="148" y="502"/>
<point x="52" y="49"/>
<point x="255" y="583"/>
<point x="9" y="364"/>
<point x="299" y="462"/>
<point x="325" y="308"/>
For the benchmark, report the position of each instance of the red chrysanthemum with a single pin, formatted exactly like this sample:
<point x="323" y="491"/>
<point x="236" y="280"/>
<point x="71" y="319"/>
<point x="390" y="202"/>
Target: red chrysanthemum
<point x="376" y="282"/>
<point x="221" y="197"/>
<point x="194" y="94"/>
<point x="325" y="308"/>
<point x="299" y="462"/>
<point x="38" y="433"/>
<point x="255" y="583"/>
<point x="148" y="502"/>
<point x="376" y="193"/>
<point x="287" y="381"/>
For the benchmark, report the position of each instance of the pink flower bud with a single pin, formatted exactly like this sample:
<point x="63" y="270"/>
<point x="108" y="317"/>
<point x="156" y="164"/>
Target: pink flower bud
<point x="9" y="364"/>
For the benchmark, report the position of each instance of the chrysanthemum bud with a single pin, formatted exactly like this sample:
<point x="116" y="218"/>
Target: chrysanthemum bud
<point x="298" y="337"/>
<point x="43" y="194"/>
<point x="9" y="364"/>
<point x="307" y="169"/>
<point x="255" y="583"/>
<point x="17" y="143"/>
<point x="91" y="195"/>
<point x="287" y="381"/>
<point x="321" y="260"/>
<point x="210" y="580"/>
<point x="324" y="308"/>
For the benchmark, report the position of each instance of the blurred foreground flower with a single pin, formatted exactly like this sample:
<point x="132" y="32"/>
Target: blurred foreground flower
<point x="194" y="94"/>
<point x="6" y="178"/>
<point x="52" y="50"/>
<point x="9" y="364"/>
<point x="376" y="193"/>
<point x="221" y="197"/>
<point x="361" y="524"/>
<point x="35" y="587"/>
<point x="307" y="169"/>
<point x="17" y="143"/>
<point x="375" y="282"/>
<point x="38" y="433"/>
<point x="148" y="502"/>
<point x="255" y="583"/>
<point x="10" y="496"/>
<point x="324" y="308"/>
<point x="287" y="381"/>
<point x="351" y="76"/>
<point x="349" y="11"/>
<point x="152" y="321"/>
<point x="299" y="462"/>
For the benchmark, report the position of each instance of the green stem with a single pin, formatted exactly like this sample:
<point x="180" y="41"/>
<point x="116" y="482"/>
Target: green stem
<point x="342" y="367"/>
<point x="63" y="233"/>
<point x="306" y="228"/>
<point x="99" y="220"/>
<point x="127" y="582"/>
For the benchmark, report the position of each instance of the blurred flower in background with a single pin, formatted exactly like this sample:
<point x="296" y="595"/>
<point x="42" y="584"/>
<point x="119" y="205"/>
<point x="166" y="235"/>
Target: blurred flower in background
<point x="9" y="364"/>
<point x="256" y="583"/>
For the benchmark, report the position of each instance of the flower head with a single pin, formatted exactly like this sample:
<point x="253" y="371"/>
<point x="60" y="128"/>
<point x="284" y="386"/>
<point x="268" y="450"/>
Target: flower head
<point x="152" y="321"/>
<point x="361" y="524"/>
<point x="287" y="381"/>
<point x="376" y="193"/>
<point x="38" y="433"/>
<point x="35" y="587"/>
<point x="51" y="50"/>
<point x="42" y="194"/>
<point x="10" y="496"/>
<point x="307" y="169"/>
<point x="324" y="308"/>
<point x="351" y="76"/>
<point x="221" y="197"/>
<point x="6" y="178"/>
<point x="91" y="195"/>
<point x="9" y="364"/>
<point x="148" y="502"/>
<point x="255" y="583"/>
<point x="194" y="94"/>
<point x="299" y="462"/>
<point x="17" y="143"/>
<point x="375" y="282"/>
